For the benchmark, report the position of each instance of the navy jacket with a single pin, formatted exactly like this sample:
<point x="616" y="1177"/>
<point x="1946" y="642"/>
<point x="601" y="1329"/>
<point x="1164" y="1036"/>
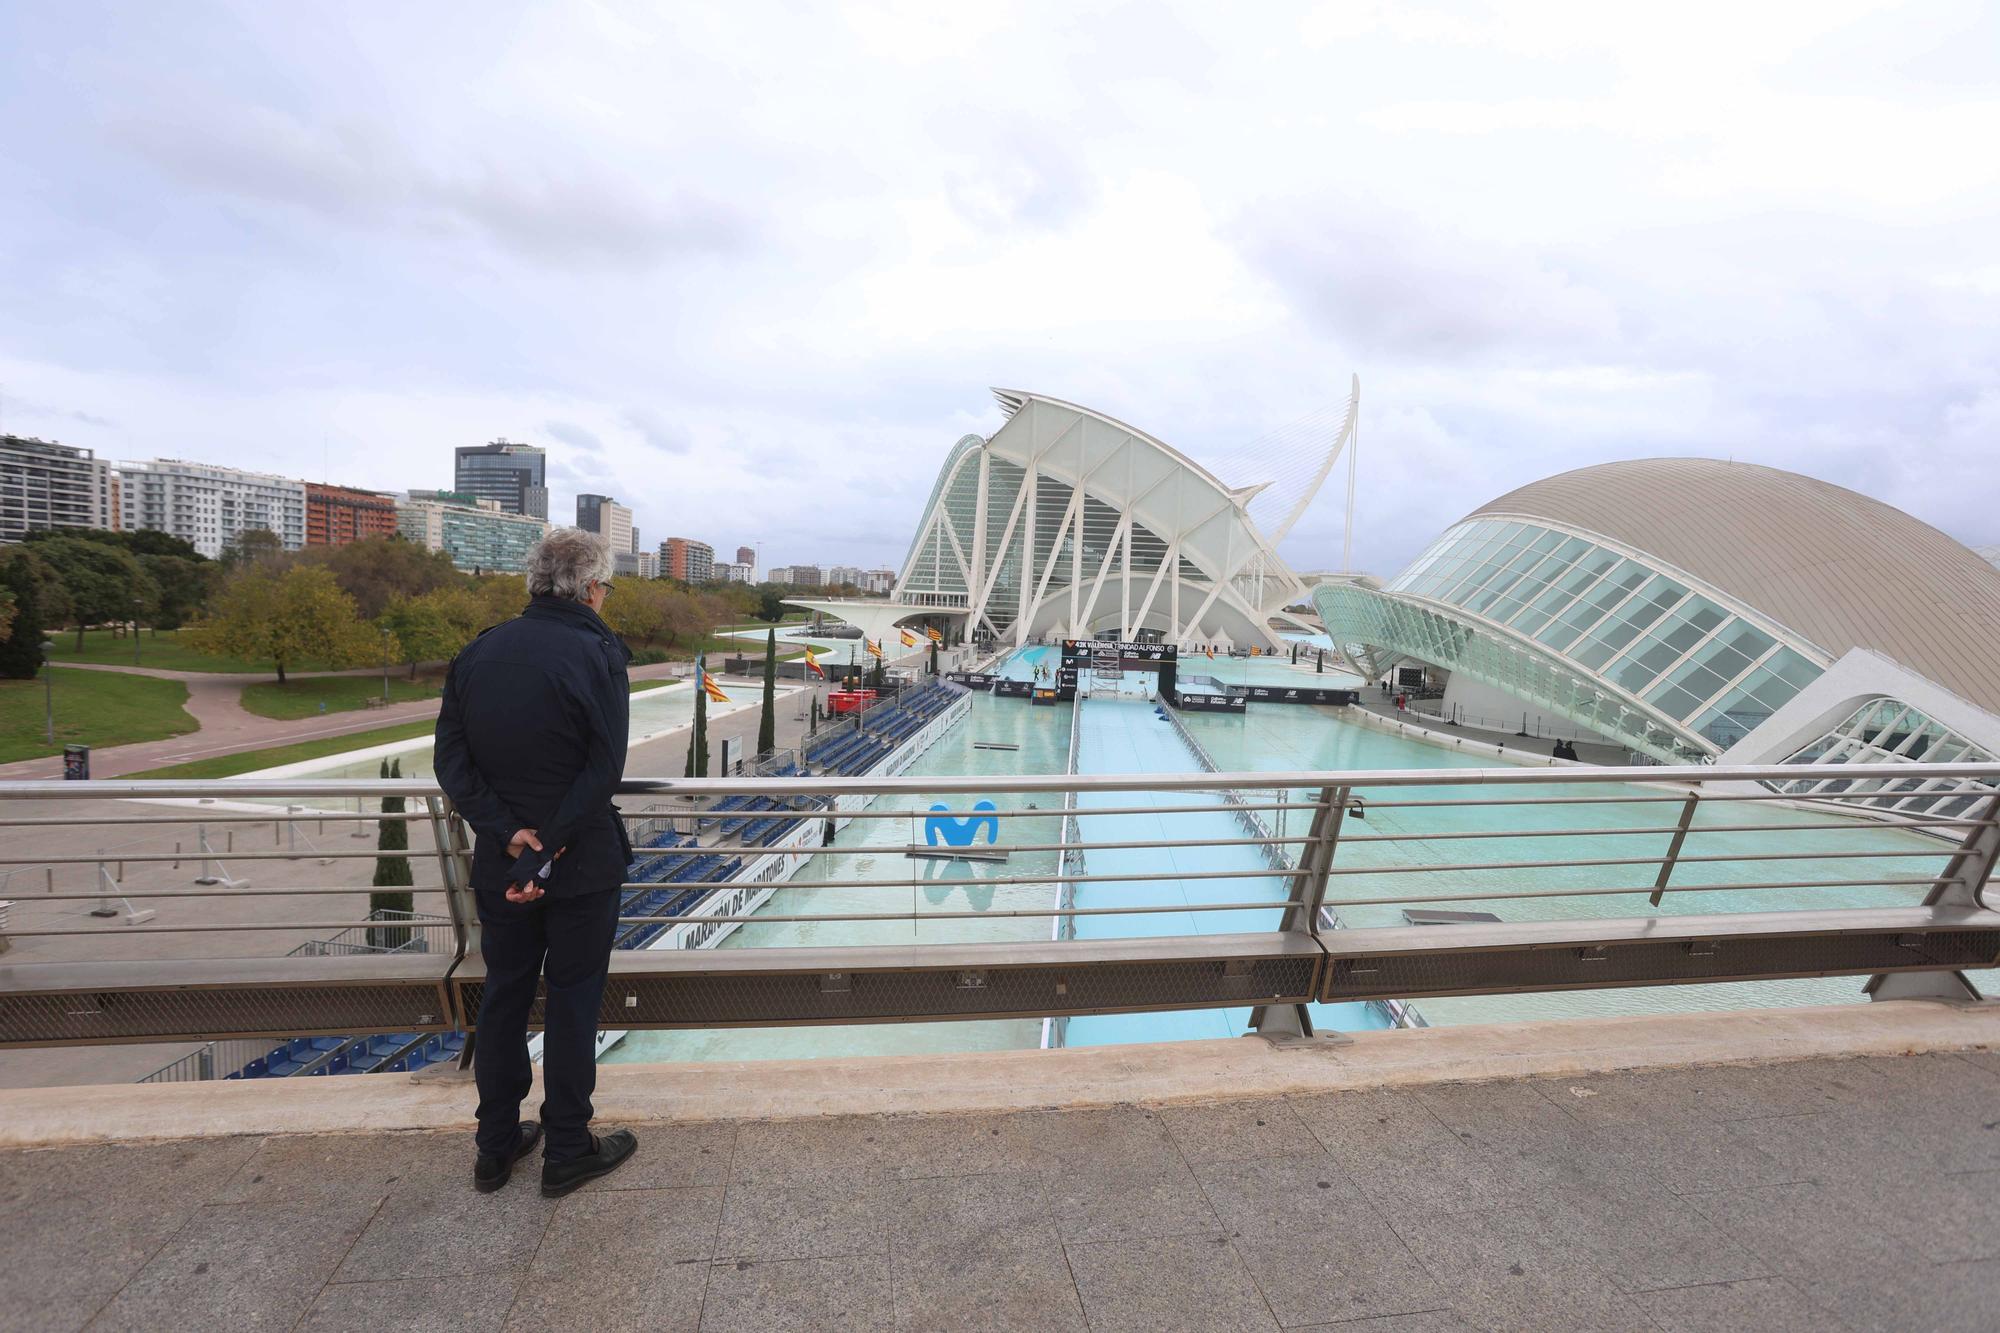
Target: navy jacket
<point x="532" y="735"/>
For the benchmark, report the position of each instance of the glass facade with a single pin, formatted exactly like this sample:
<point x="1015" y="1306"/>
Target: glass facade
<point x="1885" y="731"/>
<point x="1680" y="664"/>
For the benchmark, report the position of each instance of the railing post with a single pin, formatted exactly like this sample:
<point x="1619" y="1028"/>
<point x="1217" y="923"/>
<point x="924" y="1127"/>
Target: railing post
<point x="1673" y="856"/>
<point x="1963" y="884"/>
<point x="454" y="857"/>
<point x="1302" y="910"/>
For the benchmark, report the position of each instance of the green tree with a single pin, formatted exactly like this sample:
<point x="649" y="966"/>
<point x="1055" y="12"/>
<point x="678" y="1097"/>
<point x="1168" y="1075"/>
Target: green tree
<point x="876" y="679"/>
<point x="434" y="626"/>
<point x="6" y="613"/>
<point x="105" y="584"/>
<point x="934" y="664"/>
<point x="770" y="605"/>
<point x="183" y="587"/>
<point x="697" y="760"/>
<point x="393" y="880"/>
<point x="1319" y="665"/>
<point x="383" y="570"/>
<point x="144" y="541"/>
<point x="285" y="618"/>
<point x="767" y="721"/>
<point x="253" y="546"/>
<point x="501" y="597"/>
<point x="32" y="587"/>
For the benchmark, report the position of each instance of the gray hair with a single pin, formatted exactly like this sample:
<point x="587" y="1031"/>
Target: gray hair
<point x="566" y="562"/>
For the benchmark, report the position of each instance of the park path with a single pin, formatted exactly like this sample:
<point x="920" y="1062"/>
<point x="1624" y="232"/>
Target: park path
<point x="215" y="701"/>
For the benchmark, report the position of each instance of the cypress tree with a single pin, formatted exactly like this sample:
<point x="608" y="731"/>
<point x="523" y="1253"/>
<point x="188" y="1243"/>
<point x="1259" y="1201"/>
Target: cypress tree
<point x="767" y="724"/>
<point x="392" y="872"/>
<point x="1319" y="667"/>
<point x="934" y="669"/>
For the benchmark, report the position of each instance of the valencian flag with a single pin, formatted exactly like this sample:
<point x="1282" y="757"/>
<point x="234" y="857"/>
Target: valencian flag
<point x="874" y="648"/>
<point x="711" y="689"/>
<point x="1210" y="652"/>
<point x="812" y="663"/>
<point x="909" y="639"/>
<point x="935" y="636"/>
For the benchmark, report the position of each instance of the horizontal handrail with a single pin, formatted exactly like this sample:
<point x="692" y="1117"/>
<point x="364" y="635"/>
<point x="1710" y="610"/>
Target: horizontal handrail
<point x="730" y="856"/>
<point x="864" y="785"/>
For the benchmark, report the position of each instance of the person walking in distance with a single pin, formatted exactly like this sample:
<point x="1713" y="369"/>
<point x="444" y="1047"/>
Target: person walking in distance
<point x="530" y="746"/>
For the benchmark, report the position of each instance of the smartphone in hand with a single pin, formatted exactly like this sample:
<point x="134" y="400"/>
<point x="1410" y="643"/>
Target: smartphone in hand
<point x="531" y="867"/>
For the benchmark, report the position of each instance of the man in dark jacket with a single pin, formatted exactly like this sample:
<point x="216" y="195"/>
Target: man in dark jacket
<point x="530" y="745"/>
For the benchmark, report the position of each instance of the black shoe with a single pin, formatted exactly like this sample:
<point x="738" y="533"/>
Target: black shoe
<point x="489" y="1173"/>
<point x="606" y="1155"/>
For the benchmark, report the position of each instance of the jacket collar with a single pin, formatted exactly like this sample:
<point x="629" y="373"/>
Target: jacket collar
<point x="562" y="608"/>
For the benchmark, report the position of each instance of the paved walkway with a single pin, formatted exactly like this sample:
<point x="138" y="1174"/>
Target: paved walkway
<point x="1590" y="752"/>
<point x="1819" y="1195"/>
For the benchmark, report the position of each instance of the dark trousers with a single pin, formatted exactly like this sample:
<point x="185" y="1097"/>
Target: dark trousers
<point x="569" y="940"/>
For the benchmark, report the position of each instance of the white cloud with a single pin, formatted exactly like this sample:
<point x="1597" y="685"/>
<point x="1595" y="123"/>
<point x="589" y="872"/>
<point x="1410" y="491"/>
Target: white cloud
<point x="751" y="267"/>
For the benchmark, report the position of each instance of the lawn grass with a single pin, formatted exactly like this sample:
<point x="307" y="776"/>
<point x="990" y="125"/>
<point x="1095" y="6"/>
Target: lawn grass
<point x="249" y="761"/>
<point x="298" y="698"/>
<point x="95" y="708"/>
<point x="162" y="649"/>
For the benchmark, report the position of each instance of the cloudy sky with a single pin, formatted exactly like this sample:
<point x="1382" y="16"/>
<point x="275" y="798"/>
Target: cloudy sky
<point x="752" y="267"/>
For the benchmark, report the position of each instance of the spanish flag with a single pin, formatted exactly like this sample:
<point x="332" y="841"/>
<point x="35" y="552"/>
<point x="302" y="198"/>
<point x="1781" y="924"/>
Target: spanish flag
<point x="909" y="639"/>
<point x="874" y="648"/>
<point x="812" y="663"/>
<point x="712" y="690"/>
<point x="935" y="636"/>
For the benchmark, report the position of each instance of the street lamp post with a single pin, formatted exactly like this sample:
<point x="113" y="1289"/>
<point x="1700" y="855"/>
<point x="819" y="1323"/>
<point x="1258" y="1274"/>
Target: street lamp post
<point x="385" y="666"/>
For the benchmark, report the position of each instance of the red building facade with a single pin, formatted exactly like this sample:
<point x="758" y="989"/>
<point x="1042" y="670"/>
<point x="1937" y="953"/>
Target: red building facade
<point x="337" y="515"/>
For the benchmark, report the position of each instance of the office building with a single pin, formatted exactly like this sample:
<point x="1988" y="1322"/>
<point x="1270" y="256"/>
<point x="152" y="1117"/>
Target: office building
<point x="879" y="582"/>
<point x="208" y="506"/>
<point x="48" y="485"/>
<point x="747" y="555"/>
<point x="636" y="564"/>
<point x="737" y="572"/>
<point x="688" y="560"/>
<point x="337" y="515"/>
<point x="475" y="532"/>
<point x="781" y="575"/>
<point x="513" y="475"/>
<point x="807" y="576"/>
<point x="840" y="574"/>
<point x="608" y="519"/>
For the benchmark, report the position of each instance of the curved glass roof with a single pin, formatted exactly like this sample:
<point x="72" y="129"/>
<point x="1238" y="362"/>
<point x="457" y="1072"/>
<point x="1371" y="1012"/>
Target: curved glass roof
<point x="1685" y="657"/>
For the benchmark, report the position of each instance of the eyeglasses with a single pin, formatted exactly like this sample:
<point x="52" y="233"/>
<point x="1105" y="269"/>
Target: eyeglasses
<point x="606" y="584"/>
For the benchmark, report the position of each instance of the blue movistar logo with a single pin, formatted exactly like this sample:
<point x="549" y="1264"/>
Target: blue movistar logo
<point x="956" y="832"/>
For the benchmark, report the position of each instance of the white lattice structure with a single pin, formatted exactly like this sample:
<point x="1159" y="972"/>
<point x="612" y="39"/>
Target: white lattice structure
<point x="1068" y="523"/>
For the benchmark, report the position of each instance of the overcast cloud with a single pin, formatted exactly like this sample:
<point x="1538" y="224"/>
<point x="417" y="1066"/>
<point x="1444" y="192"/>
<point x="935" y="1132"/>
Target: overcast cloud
<point x="751" y="267"/>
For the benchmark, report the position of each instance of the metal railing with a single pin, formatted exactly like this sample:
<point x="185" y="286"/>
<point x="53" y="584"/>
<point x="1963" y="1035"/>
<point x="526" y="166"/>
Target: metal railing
<point x="1253" y="823"/>
<point x="1596" y="878"/>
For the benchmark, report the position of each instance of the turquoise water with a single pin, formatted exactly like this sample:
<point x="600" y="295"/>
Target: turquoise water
<point x="1130" y="736"/>
<point x="1279" y="739"/>
<point x="932" y="887"/>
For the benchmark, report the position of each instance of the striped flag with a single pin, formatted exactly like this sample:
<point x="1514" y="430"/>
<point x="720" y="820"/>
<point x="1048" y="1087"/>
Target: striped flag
<point x="874" y="648"/>
<point x="812" y="663"/>
<point x="712" y="690"/>
<point x="934" y="635"/>
<point x="1210" y="652"/>
<point x="909" y="639"/>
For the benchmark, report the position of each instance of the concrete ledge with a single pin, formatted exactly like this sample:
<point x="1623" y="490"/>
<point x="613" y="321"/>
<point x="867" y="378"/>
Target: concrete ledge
<point x="985" y="1082"/>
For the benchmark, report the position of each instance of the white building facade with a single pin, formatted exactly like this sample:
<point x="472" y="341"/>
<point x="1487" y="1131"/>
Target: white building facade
<point x="1068" y="523"/>
<point x="45" y="485"/>
<point x="209" y="506"/>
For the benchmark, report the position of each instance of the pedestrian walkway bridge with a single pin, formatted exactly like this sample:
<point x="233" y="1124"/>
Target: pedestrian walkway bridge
<point x="1600" y="1175"/>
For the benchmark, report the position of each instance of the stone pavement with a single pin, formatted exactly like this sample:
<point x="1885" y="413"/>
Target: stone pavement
<point x="1816" y="1195"/>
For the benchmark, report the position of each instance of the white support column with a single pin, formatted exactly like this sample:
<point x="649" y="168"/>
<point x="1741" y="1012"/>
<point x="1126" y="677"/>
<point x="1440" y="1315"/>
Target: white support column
<point x="1029" y="493"/>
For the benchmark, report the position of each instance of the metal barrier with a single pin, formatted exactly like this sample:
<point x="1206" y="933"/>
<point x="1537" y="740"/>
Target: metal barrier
<point x="1617" y="877"/>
